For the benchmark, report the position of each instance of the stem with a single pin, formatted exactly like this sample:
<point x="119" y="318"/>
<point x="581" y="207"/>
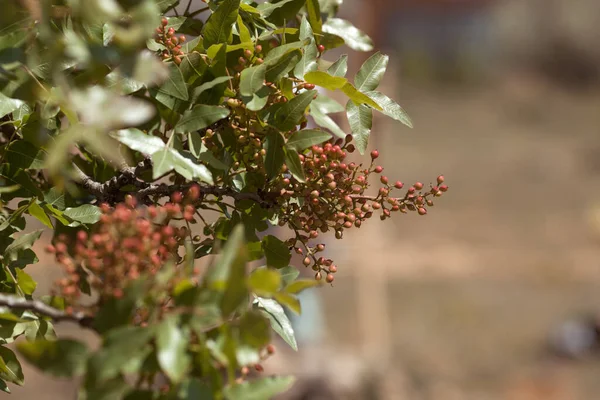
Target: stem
<point x="19" y="303"/>
<point x="200" y="11"/>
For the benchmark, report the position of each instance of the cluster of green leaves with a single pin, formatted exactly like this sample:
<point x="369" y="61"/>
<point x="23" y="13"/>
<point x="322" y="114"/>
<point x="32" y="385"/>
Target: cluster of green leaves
<point x="83" y="92"/>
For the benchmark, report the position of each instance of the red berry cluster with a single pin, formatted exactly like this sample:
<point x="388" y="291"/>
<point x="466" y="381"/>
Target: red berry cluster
<point x="126" y="243"/>
<point x="250" y="58"/>
<point x="245" y="371"/>
<point x="334" y="198"/>
<point x="172" y="42"/>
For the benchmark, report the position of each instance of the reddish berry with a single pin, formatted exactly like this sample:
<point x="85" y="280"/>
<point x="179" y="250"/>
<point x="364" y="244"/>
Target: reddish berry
<point x="321" y="48"/>
<point x="82" y="236"/>
<point x="176" y="197"/>
<point x="378" y="169"/>
<point x="164" y="22"/>
<point x="329" y="278"/>
<point x="398" y="185"/>
<point x="418" y="186"/>
<point x="374" y="154"/>
<point x="440" y="179"/>
<point x="422" y="211"/>
<point x="309" y="86"/>
<point x="271" y="349"/>
<point x="384" y="180"/>
<point x="443" y="188"/>
<point x="258" y="48"/>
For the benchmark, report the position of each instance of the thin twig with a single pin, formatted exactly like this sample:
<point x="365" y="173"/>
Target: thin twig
<point x="20" y="303"/>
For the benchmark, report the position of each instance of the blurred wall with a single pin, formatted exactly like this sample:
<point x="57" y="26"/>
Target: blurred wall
<point x="558" y="38"/>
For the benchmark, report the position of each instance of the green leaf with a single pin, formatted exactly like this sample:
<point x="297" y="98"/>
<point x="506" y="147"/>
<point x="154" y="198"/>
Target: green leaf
<point x="22" y="154"/>
<point x="340" y="67"/>
<point x="200" y="151"/>
<point x="290" y="114"/>
<point x="275" y="155"/>
<point x="258" y="100"/>
<point x="278" y="319"/>
<point x="325" y="80"/>
<point x="289" y="274"/>
<point x="25" y="282"/>
<point x="175" y="22"/>
<point x="358" y="97"/>
<point x="169" y="159"/>
<point x="8" y="105"/>
<point x="219" y="24"/>
<point x="290" y="301"/>
<point x="301" y="285"/>
<point x="9" y="189"/>
<point x="4" y="387"/>
<point x="287" y="12"/>
<point x="139" y="141"/>
<point x="260" y="389"/>
<point x="277" y="253"/>
<point x="301" y="140"/>
<point x="308" y="62"/>
<point x="267" y="8"/>
<point x="61" y="358"/>
<point x="391" y="108"/>
<point x="209" y="85"/>
<point x="175" y="84"/>
<point x="280" y="67"/>
<point x="325" y="121"/>
<point x="254" y="329"/>
<point x="192" y="389"/>
<point x="38" y="212"/>
<point x="55" y="198"/>
<point x="354" y="38"/>
<point x="252" y="79"/>
<point x="236" y="291"/>
<point x="326" y="105"/>
<point x="233" y="252"/>
<point x="10" y="368"/>
<point x="331" y="41"/>
<point x="85" y="214"/>
<point x="361" y="122"/>
<point x="276" y="53"/>
<point x="371" y="72"/>
<point x="314" y="15"/>
<point x="200" y="117"/>
<point x="264" y="281"/>
<point x="164" y="5"/>
<point x="243" y="30"/>
<point x="162" y="162"/>
<point x="292" y="160"/>
<point x="171" y="349"/>
<point x="22" y="243"/>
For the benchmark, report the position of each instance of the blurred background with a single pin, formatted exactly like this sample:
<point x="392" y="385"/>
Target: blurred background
<point x="495" y="293"/>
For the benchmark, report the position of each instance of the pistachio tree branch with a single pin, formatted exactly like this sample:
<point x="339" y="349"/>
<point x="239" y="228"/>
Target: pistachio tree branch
<point x="41" y="308"/>
<point x="110" y="191"/>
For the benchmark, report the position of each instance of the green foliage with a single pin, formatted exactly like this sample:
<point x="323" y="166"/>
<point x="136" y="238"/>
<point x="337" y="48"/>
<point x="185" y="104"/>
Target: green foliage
<point x="143" y="137"/>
